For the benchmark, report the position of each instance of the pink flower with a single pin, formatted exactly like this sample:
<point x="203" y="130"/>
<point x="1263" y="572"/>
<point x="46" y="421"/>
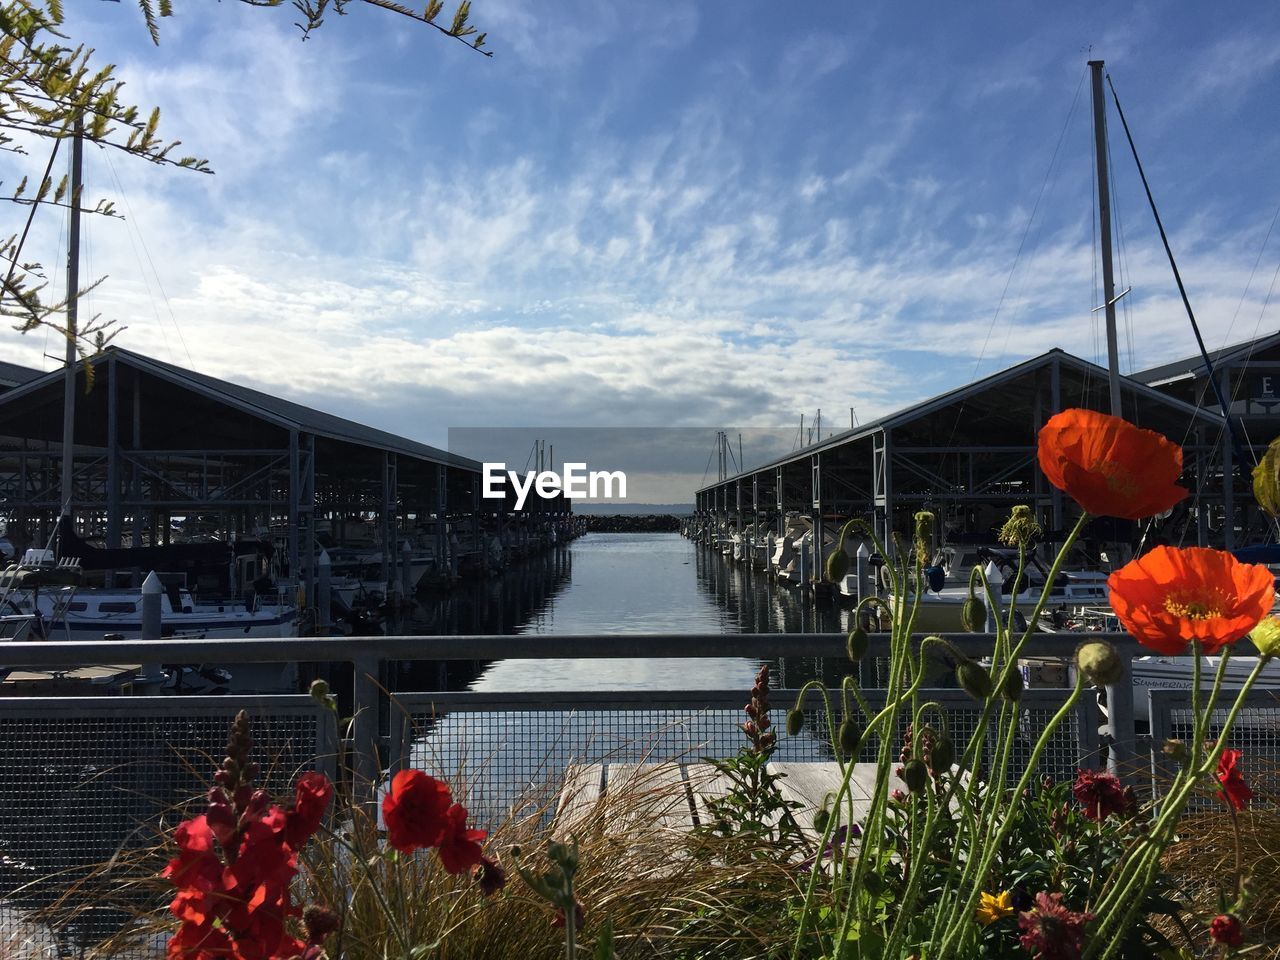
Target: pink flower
<point x="1052" y="932"/>
<point x="1101" y="794"/>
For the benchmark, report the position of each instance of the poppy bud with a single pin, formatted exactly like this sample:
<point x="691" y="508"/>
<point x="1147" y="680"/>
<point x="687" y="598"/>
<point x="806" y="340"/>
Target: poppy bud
<point x="1021" y="527"/>
<point x="1100" y="663"/>
<point x="1175" y="750"/>
<point x="973" y="614"/>
<point x="915" y="775"/>
<point x="1266" y="636"/>
<point x="848" y="735"/>
<point x="943" y="756"/>
<point x="820" y="820"/>
<point x="1266" y="480"/>
<point x="837" y="565"/>
<point x="319" y="691"/>
<point x="1013" y="686"/>
<point x="974" y="680"/>
<point x="856" y="645"/>
<point x="795" y="721"/>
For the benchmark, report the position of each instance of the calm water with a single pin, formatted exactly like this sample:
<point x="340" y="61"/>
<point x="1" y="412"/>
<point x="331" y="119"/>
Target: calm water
<point x="627" y="583"/>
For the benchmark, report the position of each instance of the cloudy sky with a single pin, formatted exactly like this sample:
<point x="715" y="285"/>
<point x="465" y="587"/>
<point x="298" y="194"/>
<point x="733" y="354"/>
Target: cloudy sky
<point x="694" y="214"/>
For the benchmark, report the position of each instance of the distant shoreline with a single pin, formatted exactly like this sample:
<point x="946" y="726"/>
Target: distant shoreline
<point x="633" y="523"/>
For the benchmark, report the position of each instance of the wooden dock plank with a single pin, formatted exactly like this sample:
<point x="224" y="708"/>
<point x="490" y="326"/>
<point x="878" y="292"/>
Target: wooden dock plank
<point x="580" y="795"/>
<point x="660" y="792"/>
<point x="810" y="783"/>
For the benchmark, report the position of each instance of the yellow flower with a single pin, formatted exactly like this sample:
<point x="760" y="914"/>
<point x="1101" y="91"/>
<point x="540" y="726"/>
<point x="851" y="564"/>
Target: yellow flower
<point x="994" y="906"/>
<point x="1266" y="636"/>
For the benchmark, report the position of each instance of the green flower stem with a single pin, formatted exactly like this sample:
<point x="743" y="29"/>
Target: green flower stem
<point x="970" y="903"/>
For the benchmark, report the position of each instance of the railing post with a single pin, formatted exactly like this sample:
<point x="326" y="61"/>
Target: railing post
<point x="1120" y="722"/>
<point x="365" y="763"/>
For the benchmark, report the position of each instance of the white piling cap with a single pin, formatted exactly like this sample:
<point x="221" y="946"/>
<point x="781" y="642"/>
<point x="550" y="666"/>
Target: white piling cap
<point x="992" y="572"/>
<point x="323" y="560"/>
<point x="863" y="551"/>
<point x="152" y="584"/>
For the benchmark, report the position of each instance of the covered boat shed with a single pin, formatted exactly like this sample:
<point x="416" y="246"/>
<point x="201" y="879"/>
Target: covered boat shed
<point x="154" y="441"/>
<point x="970" y="455"/>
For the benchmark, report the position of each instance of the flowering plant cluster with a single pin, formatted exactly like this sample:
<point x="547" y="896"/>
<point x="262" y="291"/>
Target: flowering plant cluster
<point x="960" y="855"/>
<point x="236" y="864"/>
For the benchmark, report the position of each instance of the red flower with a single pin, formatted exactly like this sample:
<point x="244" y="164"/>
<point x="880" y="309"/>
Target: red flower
<point x="1051" y="931"/>
<point x="459" y="847"/>
<point x="579" y="916"/>
<point x="1234" y="790"/>
<point x="1101" y="794"/>
<point x="414" y="811"/>
<point x="1169" y="597"/>
<point x="488" y="873"/>
<point x="1227" y="930"/>
<point x="311" y="799"/>
<point x="1109" y="466"/>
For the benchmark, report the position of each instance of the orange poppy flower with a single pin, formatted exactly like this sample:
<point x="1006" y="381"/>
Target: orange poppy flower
<point x="1109" y="466"/>
<point x="1169" y="597"/>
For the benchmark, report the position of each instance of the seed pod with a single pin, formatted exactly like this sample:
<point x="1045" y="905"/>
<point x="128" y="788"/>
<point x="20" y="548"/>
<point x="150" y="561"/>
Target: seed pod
<point x="848" y="735"/>
<point x="820" y="820"/>
<point x="1176" y="750"/>
<point x="795" y="721"/>
<point x="1013" y="687"/>
<point x="856" y="645"/>
<point x="915" y="775"/>
<point x="973" y="614"/>
<point x="974" y="680"/>
<point x="1099" y="662"/>
<point x="837" y="565"/>
<point x="943" y="755"/>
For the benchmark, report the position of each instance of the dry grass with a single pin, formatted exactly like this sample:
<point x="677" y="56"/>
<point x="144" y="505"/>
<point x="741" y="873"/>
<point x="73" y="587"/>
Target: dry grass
<point x="1201" y="864"/>
<point x="666" y="893"/>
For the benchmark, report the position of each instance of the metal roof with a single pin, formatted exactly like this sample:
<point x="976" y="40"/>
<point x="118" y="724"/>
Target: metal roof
<point x="12" y="375"/>
<point x="276" y="410"/>
<point x="1193" y="366"/>
<point x="925" y="408"/>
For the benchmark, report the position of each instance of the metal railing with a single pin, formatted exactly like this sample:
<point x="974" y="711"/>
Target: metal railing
<point x="90" y="767"/>
<point x="368" y="656"/>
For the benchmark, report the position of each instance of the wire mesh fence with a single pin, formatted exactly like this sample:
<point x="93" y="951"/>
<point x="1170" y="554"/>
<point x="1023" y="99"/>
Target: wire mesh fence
<point x="89" y="786"/>
<point x="509" y="752"/>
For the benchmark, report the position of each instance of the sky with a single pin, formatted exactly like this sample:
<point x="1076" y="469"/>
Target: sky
<point x="690" y="214"/>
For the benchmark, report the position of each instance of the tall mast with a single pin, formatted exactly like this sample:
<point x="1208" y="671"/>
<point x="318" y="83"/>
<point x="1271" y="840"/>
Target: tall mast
<point x="1104" y="224"/>
<point x="73" y="297"/>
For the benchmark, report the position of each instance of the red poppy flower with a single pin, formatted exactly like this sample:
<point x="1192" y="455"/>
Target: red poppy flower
<point x="1101" y="794"/>
<point x="1109" y="466"/>
<point x="414" y="811"/>
<point x="1234" y="790"/>
<point x="489" y="875"/>
<point x="1168" y="597"/>
<point x="459" y="847"/>
<point x="311" y="799"/>
<point x="1226" y="929"/>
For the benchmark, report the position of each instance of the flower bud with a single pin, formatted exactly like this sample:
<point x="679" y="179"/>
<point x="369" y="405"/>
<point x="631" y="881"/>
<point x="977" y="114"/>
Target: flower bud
<point x="1013" y="686"/>
<point x="1021" y="528"/>
<point x="1266" y="636"/>
<point x="319" y="691"/>
<point x="915" y="775"/>
<point x="795" y="721"/>
<point x="973" y="614"/>
<point x="820" y="820"/>
<point x="942" y="756"/>
<point x="1100" y="663"/>
<point x="924" y="534"/>
<point x="974" y="680"/>
<point x="837" y="565"/>
<point x="856" y="645"/>
<point x="1176" y="750"/>
<point x="1266" y="480"/>
<point x="848" y="736"/>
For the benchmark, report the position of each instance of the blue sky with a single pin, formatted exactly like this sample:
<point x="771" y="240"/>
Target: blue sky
<point x="683" y="214"/>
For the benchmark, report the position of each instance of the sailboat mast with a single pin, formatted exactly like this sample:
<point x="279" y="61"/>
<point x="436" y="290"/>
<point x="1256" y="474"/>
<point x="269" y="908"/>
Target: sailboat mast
<point x="73" y="298"/>
<point x="1104" y="231"/>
